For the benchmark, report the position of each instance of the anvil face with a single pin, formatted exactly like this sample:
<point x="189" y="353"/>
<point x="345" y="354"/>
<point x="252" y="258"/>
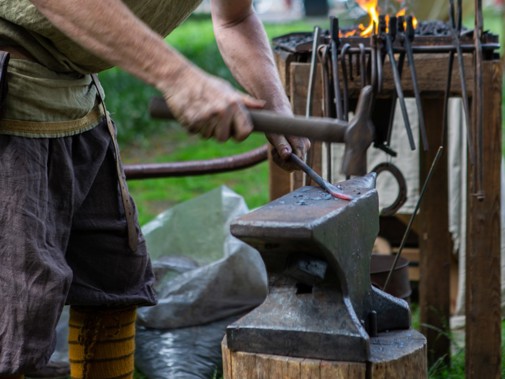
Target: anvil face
<point x="327" y="318"/>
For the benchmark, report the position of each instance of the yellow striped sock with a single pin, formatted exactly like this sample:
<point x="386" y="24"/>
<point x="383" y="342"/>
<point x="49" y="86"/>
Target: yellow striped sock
<point x="101" y="343"/>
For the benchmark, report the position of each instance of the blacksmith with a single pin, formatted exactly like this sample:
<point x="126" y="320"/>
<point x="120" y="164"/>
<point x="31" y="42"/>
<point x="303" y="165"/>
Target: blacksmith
<point x="68" y="227"/>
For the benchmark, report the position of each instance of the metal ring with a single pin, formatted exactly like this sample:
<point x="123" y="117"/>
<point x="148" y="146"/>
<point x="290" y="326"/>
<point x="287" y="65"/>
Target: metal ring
<point x="402" y="187"/>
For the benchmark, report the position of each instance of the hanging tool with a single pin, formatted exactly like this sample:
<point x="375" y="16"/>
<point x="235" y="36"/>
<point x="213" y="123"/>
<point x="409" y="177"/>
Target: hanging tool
<point x="311" y="85"/>
<point x="343" y="54"/>
<point x="327" y="186"/>
<point x="408" y="37"/>
<point x="381" y="109"/>
<point x="362" y="65"/>
<point x="456" y="31"/>
<point x="313" y="71"/>
<point x="401" y="61"/>
<point x="334" y="41"/>
<point x="388" y="38"/>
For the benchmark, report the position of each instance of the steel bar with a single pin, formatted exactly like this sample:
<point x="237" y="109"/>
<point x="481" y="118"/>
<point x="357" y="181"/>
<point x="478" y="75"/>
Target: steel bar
<point x="313" y="71"/>
<point x="362" y="65"/>
<point x="345" y="94"/>
<point x="194" y="168"/>
<point x="464" y="92"/>
<point x="413" y="215"/>
<point x="311" y="85"/>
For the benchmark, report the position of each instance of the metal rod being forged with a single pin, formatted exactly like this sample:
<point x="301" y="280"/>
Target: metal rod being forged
<point x="413" y="215"/>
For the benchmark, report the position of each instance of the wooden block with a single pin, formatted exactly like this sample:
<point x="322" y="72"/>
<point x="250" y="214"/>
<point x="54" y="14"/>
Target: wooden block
<point x="399" y="354"/>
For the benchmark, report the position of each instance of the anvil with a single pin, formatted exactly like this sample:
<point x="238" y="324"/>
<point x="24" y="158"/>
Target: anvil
<point x="317" y="251"/>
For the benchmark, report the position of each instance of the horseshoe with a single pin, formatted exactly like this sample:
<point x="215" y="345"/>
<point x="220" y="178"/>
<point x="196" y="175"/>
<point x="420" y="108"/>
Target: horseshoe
<point x="402" y="187"/>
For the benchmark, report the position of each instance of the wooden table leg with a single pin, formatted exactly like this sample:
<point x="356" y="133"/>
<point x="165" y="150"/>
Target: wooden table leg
<point x="483" y="295"/>
<point x="434" y="240"/>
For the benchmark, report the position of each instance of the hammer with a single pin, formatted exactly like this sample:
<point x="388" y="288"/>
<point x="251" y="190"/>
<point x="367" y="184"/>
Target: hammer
<point x="357" y="134"/>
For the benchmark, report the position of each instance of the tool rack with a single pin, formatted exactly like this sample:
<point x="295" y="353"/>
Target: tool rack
<point x="483" y="293"/>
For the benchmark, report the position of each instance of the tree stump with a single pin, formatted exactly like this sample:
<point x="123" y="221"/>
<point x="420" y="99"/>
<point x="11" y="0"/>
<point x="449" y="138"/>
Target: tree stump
<point x="396" y="354"/>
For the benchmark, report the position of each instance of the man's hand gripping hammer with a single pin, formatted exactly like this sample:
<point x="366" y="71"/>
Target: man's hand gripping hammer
<point x="357" y="134"/>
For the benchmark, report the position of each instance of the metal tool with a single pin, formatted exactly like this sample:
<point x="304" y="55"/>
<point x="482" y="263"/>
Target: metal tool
<point x="397" y="81"/>
<point x="324" y="184"/>
<point x="357" y="134"/>
<point x="313" y="71"/>
<point x="317" y="253"/>
<point x="334" y="42"/>
<point x="462" y="77"/>
<point x="362" y="65"/>
<point x="401" y="198"/>
<point x="477" y="99"/>
<point x="345" y="96"/>
<point x="382" y="109"/>
<point x="311" y="86"/>
<point x="401" y="61"/>
<point x="408" y="37"/>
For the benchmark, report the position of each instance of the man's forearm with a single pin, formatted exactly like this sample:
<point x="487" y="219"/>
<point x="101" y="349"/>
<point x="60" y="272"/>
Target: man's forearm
<point x="246" y="50"/>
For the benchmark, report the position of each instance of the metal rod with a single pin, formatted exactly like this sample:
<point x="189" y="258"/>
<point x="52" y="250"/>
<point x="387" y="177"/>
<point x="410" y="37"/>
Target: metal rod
<point x="464" y="92"/>
<point x="411" y="220"/>
<point x="325" y="185"/>
<point x="345" y="109"/>
<point x="399" y="91"/>
<point x="195" y="168"/>
<point x="313" y="71"/>
<point x="409" y="36"/>
<point x="334" y="64"/>
<point x="310" y="90"/>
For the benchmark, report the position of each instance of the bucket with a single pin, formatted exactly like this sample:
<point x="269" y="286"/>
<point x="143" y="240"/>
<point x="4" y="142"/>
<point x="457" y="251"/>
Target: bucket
<point x="399" y="284"/>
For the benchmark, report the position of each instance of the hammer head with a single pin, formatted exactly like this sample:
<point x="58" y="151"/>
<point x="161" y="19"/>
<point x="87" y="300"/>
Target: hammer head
<point x="358" y="136"/>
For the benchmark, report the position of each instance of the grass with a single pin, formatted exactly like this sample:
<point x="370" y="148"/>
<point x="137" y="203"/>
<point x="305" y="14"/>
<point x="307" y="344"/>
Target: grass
<point x="145" y="140"/>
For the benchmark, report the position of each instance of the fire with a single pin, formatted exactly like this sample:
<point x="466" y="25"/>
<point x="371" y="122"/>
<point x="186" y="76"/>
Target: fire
<point x="371" y="7"/>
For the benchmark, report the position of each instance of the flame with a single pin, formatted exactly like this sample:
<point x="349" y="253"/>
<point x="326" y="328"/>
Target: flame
<point x="371" y="7"/>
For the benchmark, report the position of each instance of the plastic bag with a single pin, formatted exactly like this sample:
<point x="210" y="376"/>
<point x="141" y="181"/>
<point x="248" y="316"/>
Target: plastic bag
<point x="205" y="280"/>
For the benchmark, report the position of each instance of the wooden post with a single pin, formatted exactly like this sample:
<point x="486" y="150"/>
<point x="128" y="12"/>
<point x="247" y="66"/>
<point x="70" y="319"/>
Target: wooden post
<point x="483" y="295"/>
<point x="434" y="240"/>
